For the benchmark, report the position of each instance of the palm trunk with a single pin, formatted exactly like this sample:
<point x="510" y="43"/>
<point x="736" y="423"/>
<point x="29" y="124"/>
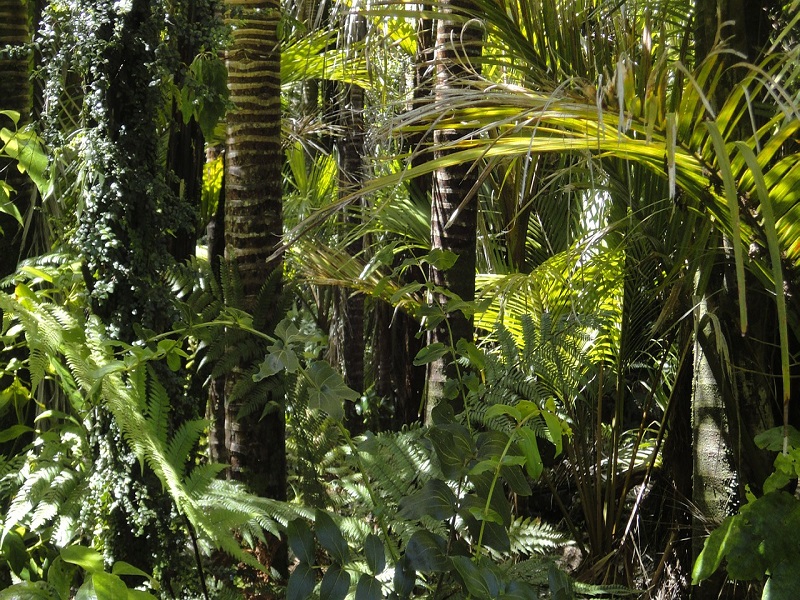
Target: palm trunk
<point x="253" y="220"/>
<point x="16" y="94"/>
<point x="454" y="206"/>
<point x="351" y="176"/>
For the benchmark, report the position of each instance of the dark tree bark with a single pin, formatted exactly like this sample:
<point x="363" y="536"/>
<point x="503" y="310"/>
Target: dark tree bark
<point x="351" y="176"/>
<point x="454" y="206"/>
<point x="16" y="94"/>
<point x="253" y="225"/>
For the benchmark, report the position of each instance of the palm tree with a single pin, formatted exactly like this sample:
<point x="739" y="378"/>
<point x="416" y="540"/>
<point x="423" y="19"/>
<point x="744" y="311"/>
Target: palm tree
<point x="454" y="207"/>
<point x="16" y="91"/>
<point x="253" y="221"/>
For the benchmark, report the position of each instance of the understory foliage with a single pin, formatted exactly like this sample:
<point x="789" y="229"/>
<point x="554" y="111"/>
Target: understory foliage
<point x="622" y="179"/>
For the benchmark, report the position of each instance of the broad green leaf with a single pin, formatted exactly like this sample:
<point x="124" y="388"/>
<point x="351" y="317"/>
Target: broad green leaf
<point x="335" y="584"/>
<point x="783" y="582"/>
<point x="561" y="587"/>
<point x="60" y="576"/>
<point x="25" y="146"/>
<point x="530" y="448"/>
<point x="486" y="514"/>
<point x="375" y="554"/>
<point x="471" y="577"/>
<point x="454" y="448"/>
<point x="86" y="558"/>
<point x="301" y="583"/>
<point x="328" y="390"/>
<point x="441" y="259"/>
<point x="122" y="568"/>
<point x="554" y="428"/>
<point x="496" y="410"/>
<point x="715" y="548"/>
<point x="514" y="476"/>
<point x="404" y="577"/>
<point x="772" y="439"/>
<point x="15" y="551"/>
<point x="140" y="595"/>
<point x="86" y="591"/>
<point x="301" y="540"/>
<point x="368" y="588"/>
<point x="485" y="465"/>
<point x="108" y="586"/>
<point x="278" y="359"/>
<point x="11" y="114"/>
<point x="426" y="552"/>
<point x="6" y="205"/>
<point x="519" y="590"/>
<point x="430" y="353"/>
<point x="28" y="590"/>
<point x="434" y="499"/>
<point x="330" y="537"/>
<point x="13" y="432"/>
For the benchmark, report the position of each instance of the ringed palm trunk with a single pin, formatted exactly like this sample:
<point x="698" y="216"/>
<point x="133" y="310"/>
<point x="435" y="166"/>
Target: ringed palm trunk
<point x="351" y="176"/>
<point x="16" y="94"/>
<point x="454" y="207"/>
<point x="253" y="221"/>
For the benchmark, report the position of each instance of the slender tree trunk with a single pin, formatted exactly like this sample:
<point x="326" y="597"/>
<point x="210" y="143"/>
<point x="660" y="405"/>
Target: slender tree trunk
<point x="16" y="94"/>
<point x="253" y="223"/>
<point x="715" y="479"/>
<point x="351" y="176"/>
<point x="454" y="205"/>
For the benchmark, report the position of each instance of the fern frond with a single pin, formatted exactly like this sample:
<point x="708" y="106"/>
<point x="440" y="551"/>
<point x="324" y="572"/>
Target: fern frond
<point x="184" y="440"/>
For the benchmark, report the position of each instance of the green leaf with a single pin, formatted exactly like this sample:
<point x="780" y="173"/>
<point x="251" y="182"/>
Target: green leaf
<point x="328" y="390"/>
<point x="481" y="513"/>
<point x="471" y="577"/>
<point x="561" y="587"/>
<point x="11" y="114"/>
<point x="15" y="551"/>
<point x="434" y="499"/>
<point x="771" y="232"/>
<point x="368" y="588"/>
<point x="108" y="586"/>
<point x="86" y="591"/>
<point x="441" y="259"/>
<point x="88" y="559"/>
<point x="375" y="554"/>
<point x="714" y="550"/>
<point x="28" y="590"/>
<point x="335" y="584"/>
<point x="519" y="590"/>
<point x="732" y="196"/>
<point x="25" y="146"/>
<point x="496" y="410"/>
<point x="405" y="577"/>
<point x="6" y="205"/>
<point x="426" y="552"/>
<point x="772" y="439"/>
<point x="554" y="428"/>
<point x="530" y="448"/>
<point x="783" y="583"/>
<point x="13" y="432"/>
<point x="301" y="583"/>
<point x="301" y="540"/>
<point x="279" y="358"/>
<point x="122" y="568"/>
<point x="430" y="353"/>
<point x="454" y="448"/>
<point x="60" y="575"/>
<point x="330" y="537"/>
<point x="140" y="595"/>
